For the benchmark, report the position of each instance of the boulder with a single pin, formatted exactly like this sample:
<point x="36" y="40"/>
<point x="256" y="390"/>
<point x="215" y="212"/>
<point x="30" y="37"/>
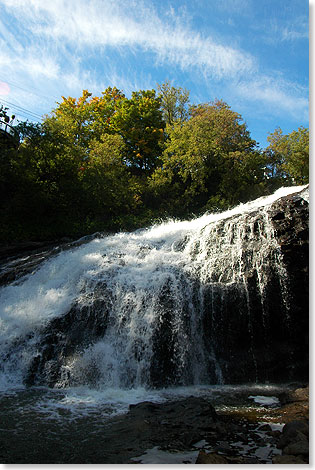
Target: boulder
<point x="292" y="432"/>
<point x="294" y="442"/>
<point x="300" y="447"/>
<point x="210" y="458"/>
<point x="301" y="394"/>
<point x="287" y="459"/>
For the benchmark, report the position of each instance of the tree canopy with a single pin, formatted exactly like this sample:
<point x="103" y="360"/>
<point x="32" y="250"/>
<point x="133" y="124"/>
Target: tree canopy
<point x="113" y="163"/>
<point x="210" y="156"/>
<point x="289" y="154"/>
<point x="174" y="103"/>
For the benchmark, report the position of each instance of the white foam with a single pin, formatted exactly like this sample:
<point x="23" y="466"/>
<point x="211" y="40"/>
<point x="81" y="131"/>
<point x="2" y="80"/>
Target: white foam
<point x="265" y="400"/>
<point x="158" y="456"/>
<point x="136" y="268"/>
<point x="84" y="400"/>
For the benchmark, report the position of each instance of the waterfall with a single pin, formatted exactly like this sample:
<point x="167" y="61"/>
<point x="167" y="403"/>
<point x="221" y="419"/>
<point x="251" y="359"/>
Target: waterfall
<point x="157" y="307"/>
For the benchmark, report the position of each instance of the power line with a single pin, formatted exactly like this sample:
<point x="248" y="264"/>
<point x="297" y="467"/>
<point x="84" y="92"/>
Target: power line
<point x="29" y="90"/>
<point x="20" y="108"/>
<point x="22" y="114"/>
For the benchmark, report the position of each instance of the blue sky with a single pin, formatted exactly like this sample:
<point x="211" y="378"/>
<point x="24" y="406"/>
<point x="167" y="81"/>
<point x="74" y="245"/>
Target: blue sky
<point x="253" y="54"/>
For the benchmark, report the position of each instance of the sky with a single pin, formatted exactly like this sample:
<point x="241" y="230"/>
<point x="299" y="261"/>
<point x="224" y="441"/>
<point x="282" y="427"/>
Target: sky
<point x="252" y="54"/>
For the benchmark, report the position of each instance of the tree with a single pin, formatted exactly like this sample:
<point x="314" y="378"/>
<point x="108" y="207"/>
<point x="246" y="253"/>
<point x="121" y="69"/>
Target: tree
<point x="209" y="156"/>
<point x="174" y="103"/>
<point x="3" y="113"/>
<point x="289" y="155"/>
<point x="80" y="121"/>
<point x="139" y="122"/>
<point x="112" y="163"/>
<point x="110" y="192"/>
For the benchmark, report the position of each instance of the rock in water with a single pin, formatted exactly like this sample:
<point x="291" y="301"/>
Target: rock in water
<point x="210" y="458"/>
<point x="287" y="459"/>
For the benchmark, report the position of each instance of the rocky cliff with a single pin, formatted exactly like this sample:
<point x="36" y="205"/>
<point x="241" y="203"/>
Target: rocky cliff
<point x="263" y="336"/>
<point x="224" y="303"/>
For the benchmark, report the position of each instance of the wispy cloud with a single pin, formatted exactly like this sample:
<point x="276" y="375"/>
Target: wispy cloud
<point x="55" y="42"/>
<point x="113" y="24"/>
<point x="277" y="30"/>
<point x="290" y="34"/>
<point x="279" y="94"/>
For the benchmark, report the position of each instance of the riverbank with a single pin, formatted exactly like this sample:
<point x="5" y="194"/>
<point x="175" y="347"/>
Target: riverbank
<point x="234" y="424"/>
<point x="279" y="435"/>
<point x="276" y="431"/>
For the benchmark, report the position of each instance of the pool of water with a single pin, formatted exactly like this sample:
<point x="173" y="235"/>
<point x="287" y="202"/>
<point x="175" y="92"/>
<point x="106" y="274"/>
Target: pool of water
<point x="81" y="425"/>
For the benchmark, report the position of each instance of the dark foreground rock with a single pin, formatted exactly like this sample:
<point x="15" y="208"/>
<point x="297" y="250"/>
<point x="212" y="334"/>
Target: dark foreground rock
<point x="221" y="436"/>
<point x="181" y="426"/>
<point x="174" y="425"/>
<point x="191" y="430"/>
<point x="210" y="457"/>
<point x="294" y="442"/>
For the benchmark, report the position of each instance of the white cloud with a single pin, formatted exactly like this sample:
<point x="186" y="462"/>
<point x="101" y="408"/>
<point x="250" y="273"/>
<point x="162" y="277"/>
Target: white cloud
<point x="52" y="41"/>
<point x="276" y="30"/>
<point x="279" y="94"/>
<point x="288" y="34"/>
<point x="296" y="29"/>
<point x="106" y="23"/>
<point x="33" y="62"/>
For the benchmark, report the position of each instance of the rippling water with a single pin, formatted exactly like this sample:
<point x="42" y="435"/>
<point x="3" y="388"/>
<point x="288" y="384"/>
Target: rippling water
<point x="81" y="425"/>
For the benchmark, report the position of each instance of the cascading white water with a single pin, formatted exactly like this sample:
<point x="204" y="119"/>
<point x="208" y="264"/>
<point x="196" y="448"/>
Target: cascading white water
<point x="153" y="283"/>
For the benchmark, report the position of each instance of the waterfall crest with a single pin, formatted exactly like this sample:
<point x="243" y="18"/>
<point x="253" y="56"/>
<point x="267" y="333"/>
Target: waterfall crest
<point x="157" y="307"/>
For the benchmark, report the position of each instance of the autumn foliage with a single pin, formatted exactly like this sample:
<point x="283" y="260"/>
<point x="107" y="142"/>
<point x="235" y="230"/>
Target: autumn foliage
<point x="114" y="163"/>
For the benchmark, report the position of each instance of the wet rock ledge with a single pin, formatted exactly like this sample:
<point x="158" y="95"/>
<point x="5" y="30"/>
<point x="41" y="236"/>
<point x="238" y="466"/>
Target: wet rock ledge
<point x="227" y="436"/>
<point x="292" y="442"/>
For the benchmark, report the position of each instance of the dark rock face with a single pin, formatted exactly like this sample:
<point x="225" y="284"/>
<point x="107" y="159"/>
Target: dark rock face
<point x="20" y="259"/>
<point x="64" y="336"/>
<point x="255" y="337"/>
<point x="294" y="443"/>
<point x="292" y="233"/>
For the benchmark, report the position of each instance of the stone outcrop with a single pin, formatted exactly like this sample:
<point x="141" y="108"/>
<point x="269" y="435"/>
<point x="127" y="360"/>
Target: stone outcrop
<point x="294" y="443"/>
<point x="210" y="458"/>
<point x="264" y="337"/>
<point x="63" y="337"/>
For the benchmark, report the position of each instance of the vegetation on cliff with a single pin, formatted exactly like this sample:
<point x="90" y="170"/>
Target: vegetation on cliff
<point x="116" y="163"/>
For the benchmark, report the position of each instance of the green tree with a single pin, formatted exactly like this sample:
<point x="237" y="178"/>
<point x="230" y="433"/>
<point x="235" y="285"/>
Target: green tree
<point x="110" y="192"/>
<point x="80" y="121"/>
<point x="24" y="197"/>
<point x="288" y="155"/>
<point x="174" y="103"/>
<point x="53" y="168"/>
<point x="139" y="122"/>
<point x="3" y="112"/>
<point x="209" y="159"/>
